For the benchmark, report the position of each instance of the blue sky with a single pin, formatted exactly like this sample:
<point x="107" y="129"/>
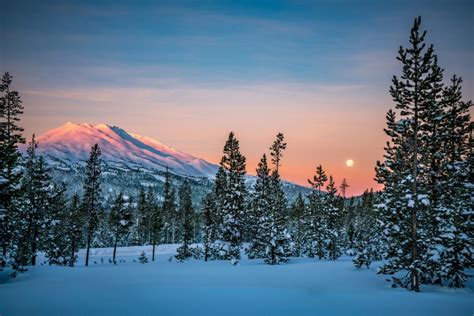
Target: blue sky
<point x="224" y="42"/>
<point x="187" y="72"/>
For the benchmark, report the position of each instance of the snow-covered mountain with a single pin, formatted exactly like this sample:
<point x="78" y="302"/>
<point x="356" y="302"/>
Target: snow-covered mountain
<point x="71" y="144"/>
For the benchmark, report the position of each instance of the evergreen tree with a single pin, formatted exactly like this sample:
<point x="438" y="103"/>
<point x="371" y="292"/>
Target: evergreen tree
<point x="10" y="175"/>
<point x="280" y="245"/>
<point x="314" y="223"/>
<point x="36" y="188"/>
<point x="120" y="219"/>
<point x="261" y="213"/>
<point x="143" y="217"/>
<point x="366" y="232"/>
<point x="297" y="213"/>
<point x="143" y="258"/>
<point x="55" y="238"/>
<point x="92" y="196"/>
<point x="170" y="216"/>
<point x="156" y="220"/>
<point x="450" y="251"/>
<point x="187" y="212"/>
<point x="412" y="173"/>
<point x="210" y="228"/>
<point x="74" y="222"/>
<point x="333" y="220"/>
<point x="233" y="204"/>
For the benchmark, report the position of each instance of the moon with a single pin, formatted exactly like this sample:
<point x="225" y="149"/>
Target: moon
<point x="349" y="162"/>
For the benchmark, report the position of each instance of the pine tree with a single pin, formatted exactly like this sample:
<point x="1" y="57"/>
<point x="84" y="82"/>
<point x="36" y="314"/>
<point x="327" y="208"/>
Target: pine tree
<point x="35" y="185"/>
<point x="333" y="220"/>
<point x="314" y="223"/>
<point x="143" y="258"/>
<point x="366" y="232"/>
<point x="451" y="248"/>
<point x="55" y="238"/>
<point x="233" y="204"/>
<point x="210" y="228"/>
<point x="344" y="185"/>
<point x="410" y="165"/>
<point x="156" y="219"/>
<point x="92" y="196"/>
<point x="10" y="175"/>
<point x="74" y="222"/>
<point x="143" y="218"/>
<point x="170" y="216"/>
<point x="261" y="213"/>
<point x="297" y="213"/>
<point x="187" y="212"/>
<point x="280" y="245"/>
<point x="120" y="219"/>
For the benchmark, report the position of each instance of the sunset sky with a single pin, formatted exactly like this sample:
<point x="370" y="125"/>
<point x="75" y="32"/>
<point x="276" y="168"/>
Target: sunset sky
<point x="186" y="73"/>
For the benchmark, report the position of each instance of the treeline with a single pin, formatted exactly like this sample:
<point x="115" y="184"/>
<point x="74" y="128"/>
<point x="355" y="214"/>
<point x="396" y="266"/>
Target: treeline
<point x="39" y="215"/>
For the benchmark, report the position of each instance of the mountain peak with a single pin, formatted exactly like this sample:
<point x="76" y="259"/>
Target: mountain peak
<point x="71" y="143"/>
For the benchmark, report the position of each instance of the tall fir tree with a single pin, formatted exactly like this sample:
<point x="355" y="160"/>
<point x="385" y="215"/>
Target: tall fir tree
<point x="232" y="207"/>
<point x="333" y="218"/>
<point x="314" y="223"/>
<point x="297" y="213"/>
<point x="170" y="215"/>
<point x="92" y="196"/>
<point x="210" y="227"/>
<point x="10" y="174"/>
<point x="416" y="200"/>
<point x="74" y="227"/>
<point x="260" y="214"/>
<point x="120" y="219"/>
<point x="36" y="189"/>
<point x="281" y="243"/>
<point x="56" y="241"/>
<point x="156" y="221"/>
<point x="450" y="253"/>
<point x="187" y="214"/>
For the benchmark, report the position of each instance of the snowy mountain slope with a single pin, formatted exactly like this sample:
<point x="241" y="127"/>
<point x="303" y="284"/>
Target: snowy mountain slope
<point x="71" y="143"/>
<point x="130" y="162"/>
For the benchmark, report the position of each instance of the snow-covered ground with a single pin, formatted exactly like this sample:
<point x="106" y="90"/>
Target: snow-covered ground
<point x="302" y="287"/>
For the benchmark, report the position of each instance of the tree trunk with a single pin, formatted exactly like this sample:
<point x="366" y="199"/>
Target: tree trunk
<point x="153" y="253"/>
<point x="115" y="247"/>
<point x="73" y="246"/>
<point x="87" y="249"/>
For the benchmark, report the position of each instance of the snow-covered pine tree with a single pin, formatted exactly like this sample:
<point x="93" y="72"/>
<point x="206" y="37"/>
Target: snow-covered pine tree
<point x="10" y="173"/>
<point x="333" y="216"/>
<point x="366" y="240"/>
<point x="92" y="196"/>
<point x="451" y="248"/>
<point x="297" y="213"/>
<point x="74" y="224"/>
<point x="279" y="249"/>
<point x="143" y="258"/>
<point x="156" y="220"/>
<point x="218" y="247"/>
<point x="143" y="218"/>
<point x="260" y="214"/>
<point x="170" y="216"/>
<point x="36" y="189"/>
<point x="120" y="220"/>
<point x="210" y="228"/>
<point x="404" y="173"/>
<point x="314" y="222"/>
<point x="232" y="208"/>
<point x="187" y="213"/>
